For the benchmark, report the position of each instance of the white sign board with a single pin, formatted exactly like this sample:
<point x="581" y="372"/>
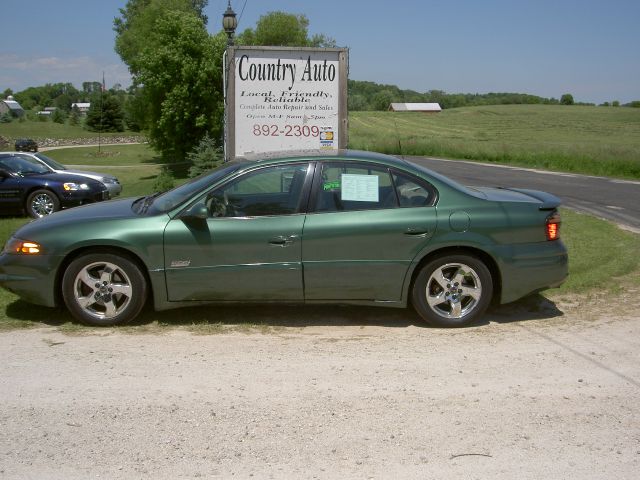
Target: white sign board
<point x="360" y="188"/>
<point x="286" y="99"/>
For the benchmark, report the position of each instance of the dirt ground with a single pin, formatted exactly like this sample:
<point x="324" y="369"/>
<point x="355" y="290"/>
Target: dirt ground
<point x="540" y="390"/>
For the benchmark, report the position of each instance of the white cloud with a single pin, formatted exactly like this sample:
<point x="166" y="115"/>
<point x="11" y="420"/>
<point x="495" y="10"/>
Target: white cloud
<point x="20" y="72"/>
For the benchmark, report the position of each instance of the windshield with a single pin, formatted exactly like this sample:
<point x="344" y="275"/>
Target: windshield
<point x="162" y="203"/>
<point x="23" y="165"/>
<point x="51" y="162"/>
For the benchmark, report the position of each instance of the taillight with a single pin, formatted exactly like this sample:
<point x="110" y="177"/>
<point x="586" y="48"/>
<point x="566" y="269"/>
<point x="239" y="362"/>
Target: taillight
<point x="553" y="226"/>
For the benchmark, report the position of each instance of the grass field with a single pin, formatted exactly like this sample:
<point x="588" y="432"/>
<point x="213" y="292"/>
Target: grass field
<point x="41" y="130"/>
<point x="592" y="140"/>
<point x="136" y="166"/>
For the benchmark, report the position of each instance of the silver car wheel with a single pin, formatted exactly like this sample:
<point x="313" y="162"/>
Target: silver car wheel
<point x="42" y="204"/>
<point x="453" y="290"/>
<point x="102" y="290"/>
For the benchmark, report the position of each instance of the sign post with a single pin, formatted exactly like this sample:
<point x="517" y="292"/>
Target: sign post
<point x="285" y="98"/>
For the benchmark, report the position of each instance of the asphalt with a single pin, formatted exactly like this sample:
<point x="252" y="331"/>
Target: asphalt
<point x="608" y="198"/>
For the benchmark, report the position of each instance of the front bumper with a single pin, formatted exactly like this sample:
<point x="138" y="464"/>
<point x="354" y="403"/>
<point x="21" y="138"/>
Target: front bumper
<point x="114" y="189"/>
<point x="79" y="197"/>
<point x="31" y="277"/>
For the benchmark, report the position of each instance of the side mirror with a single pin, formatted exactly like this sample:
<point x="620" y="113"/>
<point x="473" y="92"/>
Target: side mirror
<point x="4" y="173"/>
<point x="197" y="211"/>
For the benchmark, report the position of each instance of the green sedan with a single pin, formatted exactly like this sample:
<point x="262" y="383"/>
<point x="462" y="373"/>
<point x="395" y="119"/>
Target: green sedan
<point x="327" y="227"/>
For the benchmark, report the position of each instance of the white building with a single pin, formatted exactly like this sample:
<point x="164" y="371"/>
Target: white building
<point x="415" y="107"/>
<point x="11" y="106"/>
<point x="82" y="107"/>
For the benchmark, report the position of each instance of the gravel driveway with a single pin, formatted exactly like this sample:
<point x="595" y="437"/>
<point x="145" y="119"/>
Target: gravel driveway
<point x="535" y="393"/>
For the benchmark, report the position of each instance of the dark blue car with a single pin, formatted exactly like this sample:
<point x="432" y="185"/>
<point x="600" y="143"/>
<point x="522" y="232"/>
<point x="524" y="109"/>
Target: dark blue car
<point x="28" y="186"/>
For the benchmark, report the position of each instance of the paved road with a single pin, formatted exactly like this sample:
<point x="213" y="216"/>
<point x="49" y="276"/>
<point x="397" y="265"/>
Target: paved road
<point x="612" y="199"/>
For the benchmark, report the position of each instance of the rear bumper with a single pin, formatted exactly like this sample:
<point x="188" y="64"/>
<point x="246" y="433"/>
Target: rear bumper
<point x="533" y="267"/>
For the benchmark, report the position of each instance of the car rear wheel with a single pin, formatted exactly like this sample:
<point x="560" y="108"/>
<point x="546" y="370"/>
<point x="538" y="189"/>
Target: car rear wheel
<point x="104" y="289"/>
<point x="452" y="290"/>
<point x="41" y="203"/>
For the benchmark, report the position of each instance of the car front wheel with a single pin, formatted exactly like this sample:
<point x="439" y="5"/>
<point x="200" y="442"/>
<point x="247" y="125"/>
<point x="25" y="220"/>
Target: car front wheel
<point x="42" y="203"/>
<point x="452" y="290"/>
<point x="104" y="289"/>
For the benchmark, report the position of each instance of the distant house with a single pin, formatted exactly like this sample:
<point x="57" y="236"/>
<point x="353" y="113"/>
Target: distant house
<point x="47" y="112"/>
<point x="415" y="107"/>
<point x="11" y="106"/>
<point x="83" y="108"/>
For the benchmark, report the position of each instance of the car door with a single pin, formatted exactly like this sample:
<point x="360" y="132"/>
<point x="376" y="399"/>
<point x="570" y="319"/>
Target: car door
<point x="11" y="191"/>
<point x="365" y="226"/>
<point x="249" y="248"/>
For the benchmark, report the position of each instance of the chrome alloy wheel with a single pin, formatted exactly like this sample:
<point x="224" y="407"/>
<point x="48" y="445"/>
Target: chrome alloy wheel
<point x="102" y="290"/>
<point x="453" y="290"/>
<point x="42" y="204"/>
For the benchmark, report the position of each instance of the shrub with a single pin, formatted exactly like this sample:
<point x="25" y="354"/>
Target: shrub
<point x="206" y="156"/>
<point x="164" y="181"/>
<point x="59" y="116"/>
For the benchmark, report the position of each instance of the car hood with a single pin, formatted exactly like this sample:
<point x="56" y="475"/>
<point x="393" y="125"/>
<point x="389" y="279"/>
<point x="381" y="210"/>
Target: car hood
<point x="546" y="201"/>
<point x="60" y="178"/>
<point x="86" y="173"/>
<point x="112" y="209"/>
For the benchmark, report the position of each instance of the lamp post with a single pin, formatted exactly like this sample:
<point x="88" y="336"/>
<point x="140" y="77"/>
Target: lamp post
<point x="229" y="24"/>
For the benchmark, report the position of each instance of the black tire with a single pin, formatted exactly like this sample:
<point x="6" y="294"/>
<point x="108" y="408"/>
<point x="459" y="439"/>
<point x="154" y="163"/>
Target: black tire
<point x="104" y="289"/>
<point x="452" y="290"/>
<point x="41" y="203"/>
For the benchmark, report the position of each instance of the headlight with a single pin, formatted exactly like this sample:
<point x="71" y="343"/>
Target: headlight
<point x="72" y="187"/>
<point x="109" y="180"/>
<point x="26" y="247"/>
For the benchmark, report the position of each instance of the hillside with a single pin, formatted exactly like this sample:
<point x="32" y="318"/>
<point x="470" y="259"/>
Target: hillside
<point x="594" y="140"/>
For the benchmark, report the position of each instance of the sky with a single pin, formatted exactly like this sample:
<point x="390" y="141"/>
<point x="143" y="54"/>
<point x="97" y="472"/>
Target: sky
<point x="589" y="48"/>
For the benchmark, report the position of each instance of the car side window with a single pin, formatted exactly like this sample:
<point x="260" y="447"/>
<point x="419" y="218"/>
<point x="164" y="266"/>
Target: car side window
<point x="268" y="191"/>
<point x="348" y="187"/>
<point x="411" y="193"/>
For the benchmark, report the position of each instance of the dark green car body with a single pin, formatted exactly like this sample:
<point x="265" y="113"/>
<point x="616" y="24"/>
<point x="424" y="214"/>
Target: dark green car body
<point x="308" y="228"/>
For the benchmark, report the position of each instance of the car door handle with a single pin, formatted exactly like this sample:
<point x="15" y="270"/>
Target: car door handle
<point x="282" y="240"/>
<point x="416" y="232"/>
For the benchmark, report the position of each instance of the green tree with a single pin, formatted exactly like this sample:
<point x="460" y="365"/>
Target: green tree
<point x="283" y="29"/>
<point x="206" y="156"/>
<point x="137" y="22"/>
<point x="164" y="181"/>
<point x="181" y="70"/>
<point x="59" y="116"/>
<point x="358" y="102"/>
<point x="382" y="100"/>
<point x="566" y="99"/>
<point x="74" y="116"/>
<point x="105" y="114"/>
<point x="135" y="109"/>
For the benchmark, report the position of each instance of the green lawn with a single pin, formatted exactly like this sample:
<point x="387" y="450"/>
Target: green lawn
<point x="136" y="166"/>
<point x="591" y="140"/>
<point x="47" y="129"/>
